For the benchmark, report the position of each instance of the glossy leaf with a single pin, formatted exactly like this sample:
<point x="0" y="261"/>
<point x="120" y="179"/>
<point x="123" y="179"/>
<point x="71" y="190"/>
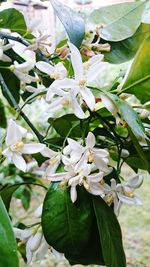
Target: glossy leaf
<point x="3" y="122"/>
<point x="13" y="20"/>
<point x="66" y="124"/>
<point x="68" y="226"/>
<point x="130" y="116"/>
<point x="12" y="83"/>
<point x="120" y="20"/>
<point x="72" y="22"/>
<point x="6" y="194"/>
<point x="125" y="50"/>
<point x="138" y="80"/>
<point x="110" y="234"/>
<point x="8" y="247"/>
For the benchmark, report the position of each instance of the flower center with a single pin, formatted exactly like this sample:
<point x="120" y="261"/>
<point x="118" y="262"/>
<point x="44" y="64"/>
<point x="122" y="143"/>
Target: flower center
<point x="129" y="194"/>
<point x="91" y="158"/>
<point x="17" y="146"/>
<point x="82" y="83"/>
<point x="65" y="102"/>
<point x="109" y="199"/>
<point x="55" y="75"/>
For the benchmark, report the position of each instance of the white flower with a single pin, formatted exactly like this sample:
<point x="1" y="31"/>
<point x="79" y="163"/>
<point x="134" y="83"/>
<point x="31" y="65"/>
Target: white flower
<point x="54" y="160"/>
<point x="88" y="155"/>
<point x="64" y="100"/>
<point x="34" y="240"/>
<point x="56" y="72"/>
<point x="79" y="84"/>
<point x="16" y="147"/>
<point x="122" y="193"/>
<point x="4" y="47"/>
<point x="111" y="107"/>
<point x="21" y="71"/>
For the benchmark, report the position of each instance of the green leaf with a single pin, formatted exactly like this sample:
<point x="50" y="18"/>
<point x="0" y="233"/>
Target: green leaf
<point x="6" y="194"/>
<point x="140" y="152"/>
<point x="130" y="116"/>
<point x="8" y="246"/>
<point x="138" y="80"/>
<point x="120" y="20"/>
<point x="68" y="227"/>
<point x="110" y="234"/>
<point x="66" y="124"/>
<point x="3" y="122"/>
<point x="13" y="20"/>
<point x="72" y="22"/>
<point x="125" y="50"/>
<point x="12" y="83"/>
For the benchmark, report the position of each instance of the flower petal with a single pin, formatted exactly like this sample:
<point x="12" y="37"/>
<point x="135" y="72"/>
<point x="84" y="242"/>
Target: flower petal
<point x="19" y="162"/>
<point x="32" y="148"/>
<point x="90" y="140"/>
<point x="45" y="67"/>
<point x="76" y="60"/>
<point x="88" y="97"/>
<point x="13" y="133"/>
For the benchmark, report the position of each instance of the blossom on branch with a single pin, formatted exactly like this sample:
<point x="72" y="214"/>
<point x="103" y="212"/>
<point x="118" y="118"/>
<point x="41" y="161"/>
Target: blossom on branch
<point x="16" y="146"/>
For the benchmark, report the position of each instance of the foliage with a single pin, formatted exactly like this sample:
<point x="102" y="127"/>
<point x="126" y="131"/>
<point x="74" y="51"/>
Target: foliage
<point x="74" y="118"/>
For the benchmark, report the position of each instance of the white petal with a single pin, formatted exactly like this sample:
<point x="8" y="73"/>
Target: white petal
<point x="7" y="153"/>
<point x="88" y="97"/>
<point x="32" y="148"/>
<point x="56" y="177"/>
<point x="101" y="164"/>
<point x="25" y="66"/>
<point x="76" y="60"/>
<point x="13" y="133"/>
<point x="73" y="193"/>
<point x="108" y="103"/>
<point x="90" y="140"/>
<point x="64" y="84"/>
<point x="135" y="182"/>
<point x="95" y="71"/>
<point x="38" y="211"/>
<point x="77" y="109"/>
<point x="45" y="67"/>
<point x="19" y="161"/>
<point x="47" y="152"/>
<point x="74" y="144"/>
<point x="42" y="250"/>
<point x="35" y="242"/>
<point x="57" y="254"/>
<point x="6" y="58"/>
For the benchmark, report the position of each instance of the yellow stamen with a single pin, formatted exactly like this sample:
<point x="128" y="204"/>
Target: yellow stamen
<point x="82" y="83"/>
<point x="17" y="146"/>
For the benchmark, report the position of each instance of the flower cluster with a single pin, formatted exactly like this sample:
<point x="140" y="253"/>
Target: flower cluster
<point x="36" y="245"/>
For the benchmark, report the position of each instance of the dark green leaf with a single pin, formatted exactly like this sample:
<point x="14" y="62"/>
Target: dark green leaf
<point x="7" y="192"/>
<point x="125" y="50"/>
<point x="13" y="20"/>
<point x="3" y="122"/>
<point x="73" y="23"/>
<point x="138" y="80"/>
<point x="68" y="227"/>
<point x="120" y="20"/>
<point x="110" y="234"/>
<point x="66" y="124"/>
<point x="8" y="246"/>
<point x="12" y="83"/>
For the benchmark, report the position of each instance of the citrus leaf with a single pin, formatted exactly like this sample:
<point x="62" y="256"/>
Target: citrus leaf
<point x="3" y="122"/>
<point x="110" y="234"/>
<point x="72" y="22"/>
<point x="68" y="227"/>
<point x="13" y="20"/>
<point x="6" y="194"/>
<point x="126" y="49"/>
<point x="138" y="80"/>
<point x="8" y="247"/>
<point x="130" y="116"/>
<point x="120" y="20"/>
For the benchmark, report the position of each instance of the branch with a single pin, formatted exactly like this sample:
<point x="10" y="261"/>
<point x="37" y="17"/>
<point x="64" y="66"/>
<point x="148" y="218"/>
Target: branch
<point x="17" y="108"/>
